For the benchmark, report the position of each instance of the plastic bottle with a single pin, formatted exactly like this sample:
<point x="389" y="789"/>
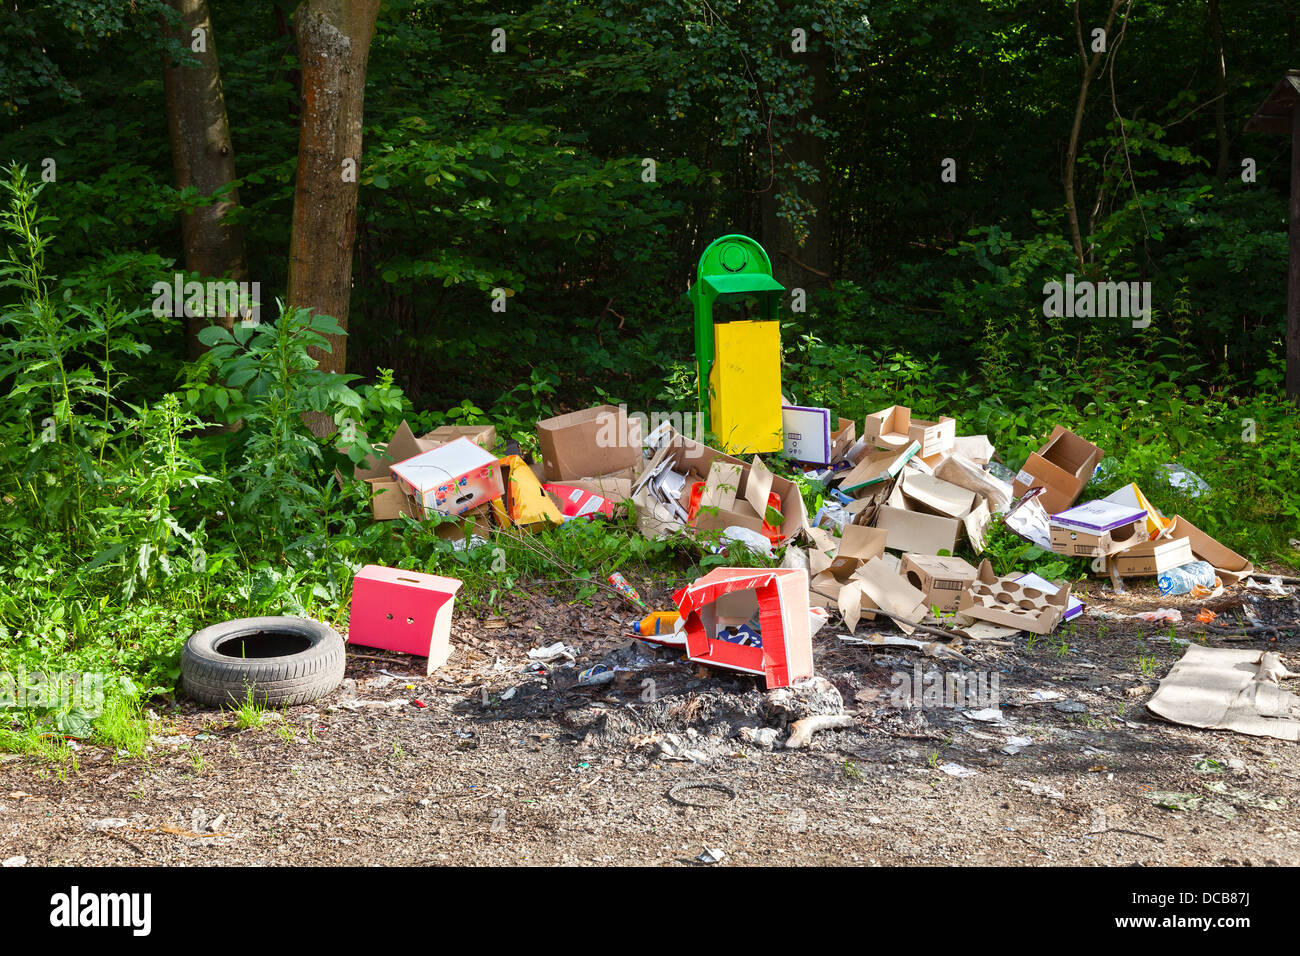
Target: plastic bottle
<point x="660" y="622"/>
<point x="1185" y="578"/>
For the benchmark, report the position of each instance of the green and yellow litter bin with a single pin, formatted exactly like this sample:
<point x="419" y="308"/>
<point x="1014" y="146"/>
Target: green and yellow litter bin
<point x="738" y="358"/>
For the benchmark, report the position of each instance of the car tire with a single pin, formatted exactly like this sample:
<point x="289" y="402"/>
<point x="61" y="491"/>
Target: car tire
<point x="283" y="660"/>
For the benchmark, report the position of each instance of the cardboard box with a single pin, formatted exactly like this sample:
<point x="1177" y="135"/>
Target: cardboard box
<point x="889" y="428"/>
<point x="477" y="521"/>
<point x="452" y="478"/>
<point x="845" y="434"/>
<point x="1011" y="603"/>
<point x="1062" y="467"/>
<point x="894" y="427"/>
<point x="1080" y="544"/>
<point x="807" y="434"/>
<point x="1073" y="607"/>
<point x="485" y="436"/>
<point x="942" y="580"/>
<point x="917" y="532"/>
<point x="936" y="438"/>
<point x="1153" y="557"/>
<point x="579" y="503"/>
<point x="404" y="611"/>
<point x="781" y="597"/>
<point x="389" y="501"/>
<point x="590" y="443"/>
<point x="1097" y="528"/>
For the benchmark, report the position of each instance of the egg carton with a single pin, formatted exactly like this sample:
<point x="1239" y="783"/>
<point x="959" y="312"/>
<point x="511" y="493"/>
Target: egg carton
<point x="1012" y="604"/>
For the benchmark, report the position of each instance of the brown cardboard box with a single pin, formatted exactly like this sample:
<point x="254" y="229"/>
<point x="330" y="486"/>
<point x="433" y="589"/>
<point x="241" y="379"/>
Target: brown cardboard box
<point x="843" y="437"/>
<point x="942" y="579"/>
<point x="888" y="428"/>
<point x="476" y="521"/>
<point x="936" y="438"/>
<point x="1062" y="467"/>
<point x="1153" y="557"/>
<point x="917" y="532"/>
<point x="1081" y="544"/>
<point x="390" y="502"/>
<point x="590" y="443"/>
<point x="484" y="436"/>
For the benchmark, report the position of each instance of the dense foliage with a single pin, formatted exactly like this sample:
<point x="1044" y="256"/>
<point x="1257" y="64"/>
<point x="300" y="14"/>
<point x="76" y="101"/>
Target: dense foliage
<point x="145" y="495"/>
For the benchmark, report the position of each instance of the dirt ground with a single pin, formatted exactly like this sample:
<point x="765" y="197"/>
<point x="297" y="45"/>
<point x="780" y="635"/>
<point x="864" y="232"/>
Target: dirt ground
<point x="554" y="773"/>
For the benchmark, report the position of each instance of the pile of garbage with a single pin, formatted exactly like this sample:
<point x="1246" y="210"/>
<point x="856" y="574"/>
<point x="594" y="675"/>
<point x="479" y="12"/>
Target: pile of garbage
<point x="896" y="504"/>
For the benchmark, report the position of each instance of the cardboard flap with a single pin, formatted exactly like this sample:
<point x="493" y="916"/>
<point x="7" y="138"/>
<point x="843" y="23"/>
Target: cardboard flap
<point x="878" y="466"/>
<point x="722" y="485"/>
<point x="938" y="495"/>
<point x="404" y="445"/>
<point x="961" y="471"/>
<point x="859" y="544"/>
<point x="1231" y="566"/>
<point x="759" y="486"/>
<point x="892" y="593"/>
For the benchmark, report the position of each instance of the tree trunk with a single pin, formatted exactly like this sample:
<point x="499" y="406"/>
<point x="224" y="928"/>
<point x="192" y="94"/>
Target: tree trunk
<point x="805" y="264"/>
<point x="1220" y="92"/>
<point x="1293" y="274"/>
<point x="1072" y="153"/>
<point x="333" y="43"/>
<point x="203" y="157"/>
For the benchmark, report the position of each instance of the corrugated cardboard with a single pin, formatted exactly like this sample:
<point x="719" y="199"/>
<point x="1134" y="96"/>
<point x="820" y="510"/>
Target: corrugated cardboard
<point x="976" y="448"/>
<point x="889" y="428"/>
<point x="964" y="472"/>
<point x="937" y="496"/>
<point x="921" y="533"/>
<point x="876" y="585"/>
<point x="936" y="438"/>
<point x="390" y="501"/>
<point x="589" y="443"/>
<point x="485" y="436"/>
<point x="845" y="434"/>
<point x="1062" y="466"/>
<point x="858" y="545"/>
<point x="1223" y="688"/>
<point x="1153" y="557"/>
<point x="1132" y="496"/>
<point x="722" y="485"/>
<point x="942" y="580"/>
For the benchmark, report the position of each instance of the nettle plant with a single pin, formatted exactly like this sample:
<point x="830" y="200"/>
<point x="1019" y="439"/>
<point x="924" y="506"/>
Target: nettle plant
<point x="263" y="379"/>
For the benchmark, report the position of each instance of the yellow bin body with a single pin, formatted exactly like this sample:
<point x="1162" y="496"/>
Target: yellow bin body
<point x="745" y="387"/>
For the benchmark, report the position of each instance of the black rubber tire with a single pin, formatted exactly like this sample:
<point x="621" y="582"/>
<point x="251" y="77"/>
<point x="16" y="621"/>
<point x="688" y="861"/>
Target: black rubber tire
<point x="297" y="677"/>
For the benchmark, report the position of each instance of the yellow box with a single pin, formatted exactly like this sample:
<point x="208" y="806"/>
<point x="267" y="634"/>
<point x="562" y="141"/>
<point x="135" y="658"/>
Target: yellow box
<point x="745" y="387"/>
